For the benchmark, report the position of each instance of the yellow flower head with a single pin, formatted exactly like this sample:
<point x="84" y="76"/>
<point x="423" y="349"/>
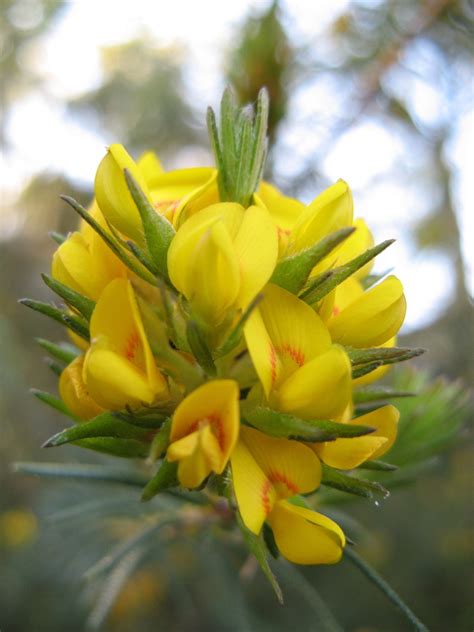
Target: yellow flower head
<point x="222" y="257"/>
<point x="204" y="431"/>
<point x="119" y="368"/>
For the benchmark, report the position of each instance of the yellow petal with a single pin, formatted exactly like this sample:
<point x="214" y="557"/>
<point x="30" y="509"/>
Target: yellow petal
<point x="198" y="454"/>
<point x="283" y="334"/>
<point x="373" y="318"/>
<point x="330" y="211"/>
<point x="320" y="389"/>
<point x="214" y="404"/>
<point x="112" y="194"/>
<point x="202" y="262"/>
<point x="291" y="467"/>
<point x="304" y="536"/>
<point x="346" y="454"/>
<point x="113" y="382"/>
<point x="150" y="167"/>
<point x="284" y="211"/>
<point x="116" y="322"/>
<point x="254" y="492"/>
<point x="256" y="247"/>
<point x="74" y="392"/>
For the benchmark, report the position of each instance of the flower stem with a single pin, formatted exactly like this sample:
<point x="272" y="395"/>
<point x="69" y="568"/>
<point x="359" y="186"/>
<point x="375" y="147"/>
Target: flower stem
<point x="375" y="578"/>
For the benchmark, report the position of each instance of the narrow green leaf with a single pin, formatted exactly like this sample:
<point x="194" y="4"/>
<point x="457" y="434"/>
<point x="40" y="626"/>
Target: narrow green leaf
<point x="71" y="321"/>
<point x="158" y="231"/>
<point x="235" y="335"/>
<point x="365" y="369"/>
<point x="110" y="241"/>
<point x="127" y="448"/>
<point x="54" y="366"/>
<point x="165" y="477"/>
<point x="160" y="441"/>
<point x="51" y="400"/>
<point x="142" y="256"/>
<point x="104" y="425"/>
<point x="81" y="471"/>
<point x="63" y="352"/>
<point x="81" y="303"/>
<point x="256" y="546"/>
<point x="291" y="273"/>
<point x="278" y="424"/>
<point x="241" y="184"/>
<point x="358" y="486"/>
<point x="380" y="466"/>
<point x="388" y="591"/>
<point x="57" y="237"/>
<point x="270" y="542"/>
<point x="259" y="149"/>
<point x="199" y="348"/>
<point x="326" y="282"/>
<point x="370" y="280"/>
<point x="377" y="394"/>
<point x="386" y="355"/>
<point x="152" y="422"/>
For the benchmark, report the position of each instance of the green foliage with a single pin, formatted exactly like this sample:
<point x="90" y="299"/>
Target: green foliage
<point x="287" y="426"/>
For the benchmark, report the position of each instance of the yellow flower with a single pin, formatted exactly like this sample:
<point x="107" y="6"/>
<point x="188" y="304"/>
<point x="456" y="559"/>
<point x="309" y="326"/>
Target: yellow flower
<point x="85" y="263"/>
<point x="266" y="472"/>
<point x="283" y="210"/>
<point x="112" y="194"/>
<point x="221" y="258"/>
<point x="119" y="368"/>
<point x="301" y="371"/>
<point x="74" y="392"/>
<point x="346" y="454"/>
<point x="204" y="431"/>
<point x="365" y="319"/>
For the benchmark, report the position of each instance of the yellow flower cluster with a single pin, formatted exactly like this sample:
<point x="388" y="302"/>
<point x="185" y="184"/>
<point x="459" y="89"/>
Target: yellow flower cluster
<point x="237" y="328"/>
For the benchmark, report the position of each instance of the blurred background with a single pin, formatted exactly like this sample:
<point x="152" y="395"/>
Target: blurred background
<point x="379" y="93"/>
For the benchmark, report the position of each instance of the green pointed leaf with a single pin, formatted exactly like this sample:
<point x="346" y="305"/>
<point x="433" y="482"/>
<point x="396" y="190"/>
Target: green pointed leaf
<point x="358" y="486"/>
<point x="57" y="237"/>
<point x="152" y="421"/>
<point x="235" y="335"/>
<point x="377" y="394"/>
<point x="110" y="241"/>
<point x="386" y="355"/>
<point x="160" y="441"/>
<point x="165" y="478"/>
<point x="291" y="273"/>
<point x="63" y="352"/>
<point x="256" y="546"/>
<point x="365" y="369"/>
<point x="158" y="231"/>
<point x="75" y="323"/>
<point x="82" y="471"/>
<point x="199" y="348"/>
<point x="82" y="304"/>
<point x="327" y="281"/>
<point x="51" y="400"/>
<point x="286" y="426"/>
<point x="126" y="448"/>
<point x="55" y="367"/>
<point x="104" y="425"/>
<point x="380" y="466"/>
<point x="259" y="148"/>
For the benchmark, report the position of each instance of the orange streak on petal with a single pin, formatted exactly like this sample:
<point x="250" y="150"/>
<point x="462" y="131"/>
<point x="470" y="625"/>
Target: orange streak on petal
<point x="295" y="354"/>
<point x="265" y="495"/>
<point x="278" y="477"/>
<point x="132" y="345"/>
<point x="273" y="363"/>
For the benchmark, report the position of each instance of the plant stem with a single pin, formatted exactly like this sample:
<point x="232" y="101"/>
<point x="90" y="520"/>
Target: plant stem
<point x="375" y="578"/>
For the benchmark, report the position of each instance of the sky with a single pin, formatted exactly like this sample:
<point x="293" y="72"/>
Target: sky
<point x="69" y="60"/>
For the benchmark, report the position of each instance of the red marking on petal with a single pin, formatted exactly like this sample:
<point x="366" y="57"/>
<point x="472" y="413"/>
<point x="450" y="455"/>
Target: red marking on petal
<point x="273" y="363"/>
<point x="295" y="354"/>
<point x="278" y="477"/>
<point x="265" y="496"/>
<point x="214" y="420"/>
<point x="283" y="231"/>
<point x="131" y="346"/>
<point x="336" y="311"/>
